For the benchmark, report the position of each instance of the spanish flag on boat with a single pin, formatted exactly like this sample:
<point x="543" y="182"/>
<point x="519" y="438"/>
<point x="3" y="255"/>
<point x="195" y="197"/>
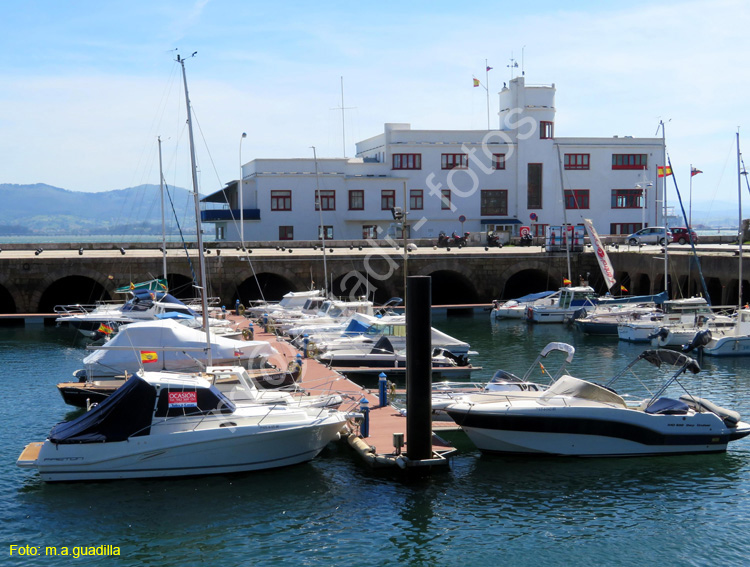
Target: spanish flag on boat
<point x="566" y="281"/>
<point x="105" y="329"/>
<point x="149" y="356"/>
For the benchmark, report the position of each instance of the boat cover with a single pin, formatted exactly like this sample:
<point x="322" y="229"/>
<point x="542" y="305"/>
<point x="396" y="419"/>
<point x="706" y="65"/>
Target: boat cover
<point x="534" y="296"/>
<point x="156" y="335"/>
<point x="126" y="413"/>
<point x="576" y="388"/>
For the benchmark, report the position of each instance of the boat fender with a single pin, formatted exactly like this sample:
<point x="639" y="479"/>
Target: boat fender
<point x="731" y="418"/>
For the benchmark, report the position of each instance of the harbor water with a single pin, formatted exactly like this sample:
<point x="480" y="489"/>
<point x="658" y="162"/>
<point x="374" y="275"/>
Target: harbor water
<point x="485" y="510"/>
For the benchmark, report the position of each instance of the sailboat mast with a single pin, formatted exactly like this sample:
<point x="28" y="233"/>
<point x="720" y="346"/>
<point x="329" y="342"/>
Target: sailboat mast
<point x="163" y="223"/>
<point x="565" y="213"/>
<point x="664" y="197"/>
<point x="739" y="227"/>
<point x="196" y="199"/>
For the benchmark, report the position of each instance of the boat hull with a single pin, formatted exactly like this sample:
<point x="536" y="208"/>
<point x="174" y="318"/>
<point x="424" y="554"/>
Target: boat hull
<point x="728" y="346"/>
<point x="227" y="449"/>
<point x="603" y="433"/>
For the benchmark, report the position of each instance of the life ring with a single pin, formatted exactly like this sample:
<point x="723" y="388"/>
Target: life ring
<point x="247" y="334"/>
<point x="241" y="309"/>
<point x="312" y="350"/>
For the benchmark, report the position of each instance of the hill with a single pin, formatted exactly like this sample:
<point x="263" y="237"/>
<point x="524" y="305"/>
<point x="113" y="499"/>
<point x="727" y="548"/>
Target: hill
<point x="42" y="209"/>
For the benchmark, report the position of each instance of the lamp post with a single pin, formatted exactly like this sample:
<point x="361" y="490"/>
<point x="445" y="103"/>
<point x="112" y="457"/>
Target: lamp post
<point x="239" y="192"/>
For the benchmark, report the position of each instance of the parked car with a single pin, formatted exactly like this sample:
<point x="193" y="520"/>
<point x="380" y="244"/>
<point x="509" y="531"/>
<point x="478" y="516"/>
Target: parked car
<point x="651" y="235"/>
<point x="680" y="234"/>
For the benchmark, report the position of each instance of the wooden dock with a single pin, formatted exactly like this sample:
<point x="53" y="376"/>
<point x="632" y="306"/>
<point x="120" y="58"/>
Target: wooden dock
<point x="377" y="449"/>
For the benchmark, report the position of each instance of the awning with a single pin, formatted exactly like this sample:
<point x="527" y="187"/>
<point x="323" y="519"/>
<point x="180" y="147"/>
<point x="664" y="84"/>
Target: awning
<point x="500" y="221"/>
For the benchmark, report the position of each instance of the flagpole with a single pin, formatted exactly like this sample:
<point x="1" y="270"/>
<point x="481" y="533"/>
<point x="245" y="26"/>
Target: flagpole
<point x="487" y="83"/>
<point x="690" y="205"/>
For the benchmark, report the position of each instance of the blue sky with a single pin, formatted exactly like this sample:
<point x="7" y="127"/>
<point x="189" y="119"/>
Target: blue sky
<point x="87" y="86"/>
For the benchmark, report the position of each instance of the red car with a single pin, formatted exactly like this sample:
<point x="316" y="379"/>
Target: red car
<point x="680" y="235"/>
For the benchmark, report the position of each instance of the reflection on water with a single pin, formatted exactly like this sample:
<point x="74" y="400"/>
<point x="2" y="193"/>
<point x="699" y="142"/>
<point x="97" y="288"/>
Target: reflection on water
<point x="486" y="510"/>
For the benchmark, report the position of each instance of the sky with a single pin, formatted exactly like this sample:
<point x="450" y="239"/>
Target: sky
<point x="87" y="86"/>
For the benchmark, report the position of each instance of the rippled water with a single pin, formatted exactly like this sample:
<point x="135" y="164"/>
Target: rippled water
<point x="688" y="510"/>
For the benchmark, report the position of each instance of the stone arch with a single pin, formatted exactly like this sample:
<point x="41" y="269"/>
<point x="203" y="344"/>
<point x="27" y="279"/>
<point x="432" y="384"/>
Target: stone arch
<point x="717" y="293"/>
<point x="270" y="286"/>
<point x="641" y="285"/>
<point x="87" y="287"/>
<point x="528" y="276"/>
<point x="450" y="287"/>
<point x="8" y="306"/>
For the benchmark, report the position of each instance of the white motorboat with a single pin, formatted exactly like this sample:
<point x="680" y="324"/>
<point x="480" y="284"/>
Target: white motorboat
<point x="572" y="300"/>
<point x="731" y="341"/>
<point x="576" y="417"/>
<point x="642" y="329"/>
<point x="681" y="334"/>
<point x="516" y="308"/>
<point x="294" y="300"/>
<point x="162" y="424"/>
<point x="503" y="383"/>
<point x="144" y="305"/>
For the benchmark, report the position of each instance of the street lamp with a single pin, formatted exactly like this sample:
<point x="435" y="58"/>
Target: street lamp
<point x="239" y="191"/>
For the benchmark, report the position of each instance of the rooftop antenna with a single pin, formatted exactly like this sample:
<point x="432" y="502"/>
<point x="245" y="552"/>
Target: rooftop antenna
<point x="342" y="108"/>
<point x="523" y="73"/>
<point x="513" y="65"/>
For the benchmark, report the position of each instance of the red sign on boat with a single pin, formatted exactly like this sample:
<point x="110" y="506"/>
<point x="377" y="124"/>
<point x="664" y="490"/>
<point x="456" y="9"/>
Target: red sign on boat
<point x="183" y="399"/>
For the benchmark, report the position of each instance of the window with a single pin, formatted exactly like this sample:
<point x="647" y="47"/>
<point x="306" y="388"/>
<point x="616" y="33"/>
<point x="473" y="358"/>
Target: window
<point x="416" y="199"/>
<point x="445" y="199"/>
<point x="454" y="161"/>
<point x="220" y="232"/>
<point x="624" y="227"/>
<point x="546" y="130"/>
<point x="281" y="200"/>
<point x="629" y="161"/>
<point x="327" y="200"/>
<point x="387" y="199"/>
<point x="498" y="161"/>
<point x="576" y="161"/>
<point x="576" y="198"/>
<point x="407" y="161"/>
<point x="626" y="198"/>
<point x="539" y="229"/>
<point x="286" y="233"/>
<point x="369" y="231"/>
<point x="356" y="200"/>
<point x="534" y="186"/>
<point x="494" y="202"/>
<point x="328" y="231"/>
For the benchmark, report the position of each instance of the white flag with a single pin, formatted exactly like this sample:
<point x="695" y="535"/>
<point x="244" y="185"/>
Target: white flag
<point x="601" y="254"/>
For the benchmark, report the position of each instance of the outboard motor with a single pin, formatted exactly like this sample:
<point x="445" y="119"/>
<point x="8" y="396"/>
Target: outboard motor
<point x="700" y="340"/>
<point x="660" y="334"/>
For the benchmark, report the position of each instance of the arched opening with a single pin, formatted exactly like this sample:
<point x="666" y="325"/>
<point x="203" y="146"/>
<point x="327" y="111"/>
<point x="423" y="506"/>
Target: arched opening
<point x="641" y="285"/>
<point x="715" y="290"/>
<point x="527" y="281"/>
<point x="71" y="290"/>
<point x="732" y="293"/>
<point x="268" y="286"/>
<point x="8" y="306"/>
<point x="181" y="287"/>
<point x="452" y="288"/>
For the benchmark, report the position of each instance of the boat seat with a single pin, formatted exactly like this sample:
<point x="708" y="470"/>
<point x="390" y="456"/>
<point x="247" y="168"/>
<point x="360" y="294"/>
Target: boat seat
<point x="730" y="418"/>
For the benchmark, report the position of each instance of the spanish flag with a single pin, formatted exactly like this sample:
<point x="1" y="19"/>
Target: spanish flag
<point x="105" y="329"/>
<point x="476" y="82"/>
<point x="623" y="288"/>
<point x="149" y="356"/>
<point x="132" y="285"/>
<point x="660" y="171"/>
<point x="566" y="281"/>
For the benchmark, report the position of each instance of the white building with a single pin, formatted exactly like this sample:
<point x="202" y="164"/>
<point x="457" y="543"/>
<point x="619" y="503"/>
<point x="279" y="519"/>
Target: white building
<point x="452" y="180"/>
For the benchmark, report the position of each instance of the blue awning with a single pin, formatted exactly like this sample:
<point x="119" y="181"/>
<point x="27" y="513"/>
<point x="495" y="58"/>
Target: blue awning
<point x="500" y="221"/>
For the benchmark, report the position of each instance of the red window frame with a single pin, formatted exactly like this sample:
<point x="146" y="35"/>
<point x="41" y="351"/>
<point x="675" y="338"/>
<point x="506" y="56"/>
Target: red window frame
<point x="286" y="233"/>
<point x="624" y="227"/>
<point x="369" y="231"/>
<point x="546" y="129"/>
<point x="629" y="161"/>
<point x="627" y="199"/>
<point x="327" y="200"/>
<point x="577" y="161"/>
<point x="498" y="161"/>
<point x="454" y="161"/>
<point x="493" y="202"/>
<point x="356" y="200"/>
<point x="281" y="200"/>
<point x="407" y="161"/>
<point x="539" y="229"/>
<point x="329" y="232"/>
<point x="387" y="199"/>
<point x="416" y="199"/>
<point x="577" y="198"/>
<point x="445" y="199"/>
